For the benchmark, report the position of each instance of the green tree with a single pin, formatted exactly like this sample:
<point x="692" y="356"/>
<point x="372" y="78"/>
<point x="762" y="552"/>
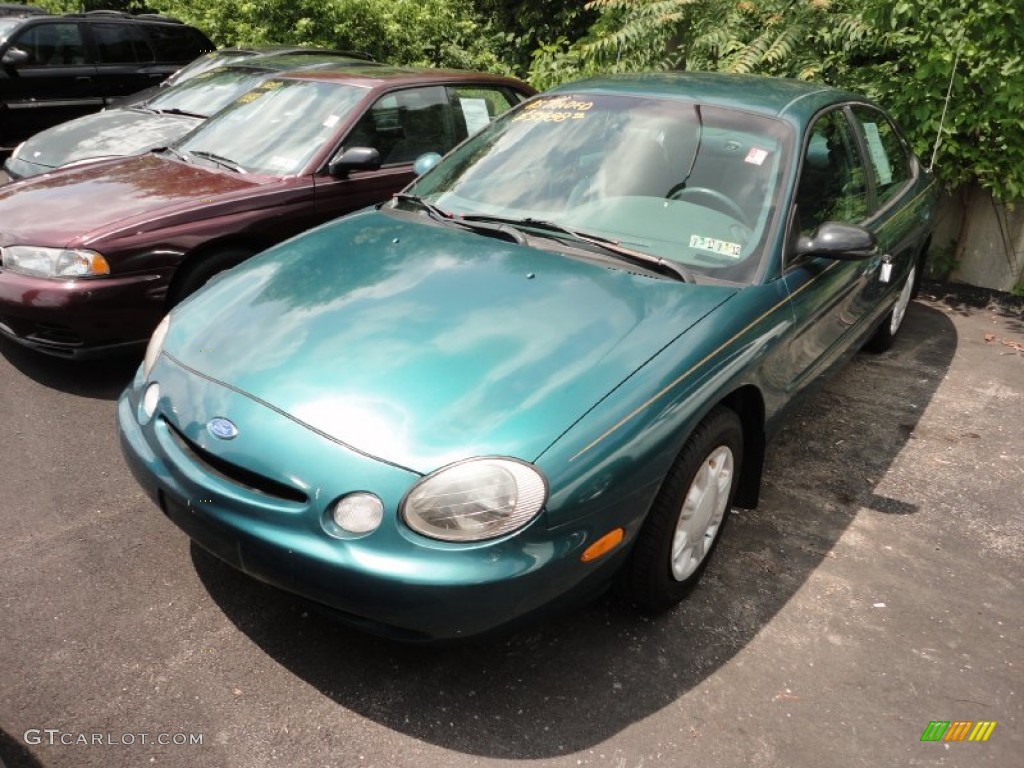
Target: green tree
<point x="807" y="39"/>
<point x="422" y="32"/>
<point x="910" y="70"/>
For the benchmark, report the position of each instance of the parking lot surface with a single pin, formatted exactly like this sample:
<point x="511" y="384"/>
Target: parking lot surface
<point x="875" y="590"/>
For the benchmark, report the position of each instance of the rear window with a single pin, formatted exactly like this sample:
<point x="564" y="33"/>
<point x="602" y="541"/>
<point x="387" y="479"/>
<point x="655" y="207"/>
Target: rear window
<point x="175" y="42"/>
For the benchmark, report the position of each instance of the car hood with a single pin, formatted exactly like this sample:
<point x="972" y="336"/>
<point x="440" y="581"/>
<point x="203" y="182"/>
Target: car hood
<point x="421" y="345"/>
<point x="77" y="206"/>
<point x="116" y="132"/>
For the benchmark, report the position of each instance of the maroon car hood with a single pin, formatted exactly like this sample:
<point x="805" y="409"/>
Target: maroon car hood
<point x="73" y="206"/>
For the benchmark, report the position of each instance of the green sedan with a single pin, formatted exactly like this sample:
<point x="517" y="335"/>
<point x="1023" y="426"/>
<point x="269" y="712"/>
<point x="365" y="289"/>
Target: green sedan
<point x="552" y="364"/>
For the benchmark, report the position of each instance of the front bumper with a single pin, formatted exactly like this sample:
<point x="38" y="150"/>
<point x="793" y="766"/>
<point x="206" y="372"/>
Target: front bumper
<point x="391" y="582"/>
<point x="81" y="318"/>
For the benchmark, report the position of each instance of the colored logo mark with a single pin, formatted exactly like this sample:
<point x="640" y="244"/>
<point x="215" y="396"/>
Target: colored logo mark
<point x="222" y="429"/>
<point x="958" y="730"/>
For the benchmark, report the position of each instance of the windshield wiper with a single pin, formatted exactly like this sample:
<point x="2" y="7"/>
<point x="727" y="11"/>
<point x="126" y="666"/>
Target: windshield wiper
<point x="504" y="228"/>
<point x="180" y="155"/>
<point x="176" y="111"/>
<point x="604" y="243"/>
<point x="225" y="162"/>
<point x="432" y="210"/>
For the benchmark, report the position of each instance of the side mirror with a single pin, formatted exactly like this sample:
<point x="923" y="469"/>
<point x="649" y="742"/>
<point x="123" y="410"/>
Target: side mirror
<point x="14" y="56"/>
<point x="845" y="242"/>
<point x="354" y="159"/>
<point x="425" y="162"/>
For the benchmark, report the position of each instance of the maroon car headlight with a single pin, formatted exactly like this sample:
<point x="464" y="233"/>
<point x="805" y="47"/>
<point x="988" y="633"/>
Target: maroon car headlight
<point x="475" y="499"/>
<point x="39" y="261"/>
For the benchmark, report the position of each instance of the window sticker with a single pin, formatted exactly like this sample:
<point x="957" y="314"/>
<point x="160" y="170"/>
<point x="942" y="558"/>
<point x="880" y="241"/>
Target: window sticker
<point x="877" y="152"/>
<point x="475" y="113"/>
<point x="331" y="121"/>
<point x="722" y="247"/>
<point x="280" y="162"/>
<point x="554" y="110"/>
<point x="756" y="156"/>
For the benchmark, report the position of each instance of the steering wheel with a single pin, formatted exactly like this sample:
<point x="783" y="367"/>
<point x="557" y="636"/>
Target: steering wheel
<point x="712" y="199"/>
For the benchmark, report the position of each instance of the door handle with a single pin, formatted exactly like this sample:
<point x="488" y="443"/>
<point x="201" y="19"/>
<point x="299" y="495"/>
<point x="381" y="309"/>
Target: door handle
<point x="83" y="79"/>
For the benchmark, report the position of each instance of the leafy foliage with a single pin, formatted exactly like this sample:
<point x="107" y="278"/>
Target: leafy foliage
<point x="900" y="52"/>
<point x="983" y="130"/>
<point x="421" y="32"/>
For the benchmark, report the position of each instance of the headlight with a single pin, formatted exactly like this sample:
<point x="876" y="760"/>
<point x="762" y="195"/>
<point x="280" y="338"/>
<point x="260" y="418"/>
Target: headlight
<point x="53" y="262"/>
<point x="475" y="499"/>
<point x="156" y="345"/>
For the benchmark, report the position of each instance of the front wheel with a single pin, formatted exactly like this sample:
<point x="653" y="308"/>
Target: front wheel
<point x="886" y="333"/>
<point x="193" y="276"/>
<point x="685" y="522"/>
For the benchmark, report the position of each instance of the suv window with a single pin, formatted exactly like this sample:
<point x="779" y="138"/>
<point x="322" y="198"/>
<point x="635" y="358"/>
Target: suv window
<point x="177" y="42"/>
<point x="121" y="44"/>
<point x="52" y="44"/>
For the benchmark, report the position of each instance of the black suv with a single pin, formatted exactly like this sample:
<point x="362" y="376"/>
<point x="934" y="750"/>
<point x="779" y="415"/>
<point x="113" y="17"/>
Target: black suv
<point x="55" y="68"/>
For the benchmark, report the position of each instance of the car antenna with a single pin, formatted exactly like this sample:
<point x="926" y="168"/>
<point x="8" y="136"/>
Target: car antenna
<point x="949" y="92"/>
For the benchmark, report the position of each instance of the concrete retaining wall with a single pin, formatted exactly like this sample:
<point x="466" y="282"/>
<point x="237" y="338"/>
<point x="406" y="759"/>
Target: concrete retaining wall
<point x="991" y="253"/>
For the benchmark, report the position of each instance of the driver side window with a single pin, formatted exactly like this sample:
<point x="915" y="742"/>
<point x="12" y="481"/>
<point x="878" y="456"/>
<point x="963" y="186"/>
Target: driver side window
<point x="52" y="45"/>
<point x="832" y="183"/>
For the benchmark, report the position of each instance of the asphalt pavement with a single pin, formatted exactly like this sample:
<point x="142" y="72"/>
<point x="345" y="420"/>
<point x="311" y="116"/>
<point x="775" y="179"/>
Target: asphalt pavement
<point x="876" y="589"/>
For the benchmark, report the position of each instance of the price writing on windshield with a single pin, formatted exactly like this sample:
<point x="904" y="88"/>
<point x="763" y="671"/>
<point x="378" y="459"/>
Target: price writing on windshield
<point x="556" y="110"/>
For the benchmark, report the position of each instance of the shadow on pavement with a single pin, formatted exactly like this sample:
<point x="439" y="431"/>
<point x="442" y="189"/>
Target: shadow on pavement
<point x="102" y="379"/>
<point x="14" y="754"/>
<point x="573" y="683"/>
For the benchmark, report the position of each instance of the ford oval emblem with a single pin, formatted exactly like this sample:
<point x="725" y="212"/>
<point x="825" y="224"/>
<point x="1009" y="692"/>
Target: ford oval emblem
<point x="222" y="429"/>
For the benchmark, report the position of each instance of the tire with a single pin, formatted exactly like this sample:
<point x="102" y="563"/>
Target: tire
<point x="668" y="559"/>
<point x="890" y="327"/>
<point x="198" y="271"/>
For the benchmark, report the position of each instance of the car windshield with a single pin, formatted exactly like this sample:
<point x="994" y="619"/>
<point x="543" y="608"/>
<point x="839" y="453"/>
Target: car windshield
<point x="205" y="63"/>
<point x="277" y="127"/>
<point x="207" y="92"/>
<point x="6" y="25"/>
<point x="694" y="184"/>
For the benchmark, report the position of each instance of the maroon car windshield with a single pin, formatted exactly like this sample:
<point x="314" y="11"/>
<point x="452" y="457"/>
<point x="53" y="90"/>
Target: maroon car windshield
<point x="275" y="128"/>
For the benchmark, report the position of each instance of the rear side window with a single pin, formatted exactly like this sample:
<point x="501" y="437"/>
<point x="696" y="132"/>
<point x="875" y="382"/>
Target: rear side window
<point x="476" y="106"/>
<point x="121" y="44"/>
<point x="177" y="42"/>
<point x="888" y="160"/>
<point x="52" y="45"/>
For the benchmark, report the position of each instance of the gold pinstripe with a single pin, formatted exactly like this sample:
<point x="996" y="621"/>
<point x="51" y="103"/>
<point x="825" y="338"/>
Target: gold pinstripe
<point x="701" y="362"/>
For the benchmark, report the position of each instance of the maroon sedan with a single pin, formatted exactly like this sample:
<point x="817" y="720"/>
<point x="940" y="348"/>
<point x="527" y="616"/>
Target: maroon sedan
<point x="93" y="256"/>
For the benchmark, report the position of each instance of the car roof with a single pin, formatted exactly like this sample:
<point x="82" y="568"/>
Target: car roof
<point x="298" y="60"/>
<point x="277" y="50"/>
<point x="383" y="75"/>
<point x="795" y="100"/>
